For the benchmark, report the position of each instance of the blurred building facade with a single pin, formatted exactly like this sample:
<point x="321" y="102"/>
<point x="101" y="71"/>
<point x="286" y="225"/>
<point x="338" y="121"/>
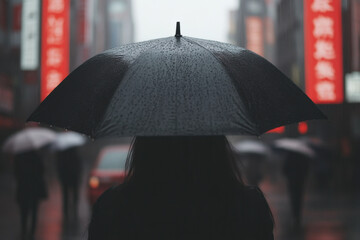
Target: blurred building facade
<point x="341" y="129"/>
<point x="286" y="48"/>
<point x="255" y="27"/>
<point x="94" y="25"/>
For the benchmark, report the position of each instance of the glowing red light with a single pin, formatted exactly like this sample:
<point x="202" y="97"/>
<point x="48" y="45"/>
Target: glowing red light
<point x="277" y="130"/>
<point x="302" y="127"/>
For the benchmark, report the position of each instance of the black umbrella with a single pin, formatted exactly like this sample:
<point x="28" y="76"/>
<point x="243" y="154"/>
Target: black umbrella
<point x="175" y="86"/>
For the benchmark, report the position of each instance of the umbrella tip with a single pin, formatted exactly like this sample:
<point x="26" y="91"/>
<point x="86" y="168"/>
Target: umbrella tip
<point x="178" y="34"/>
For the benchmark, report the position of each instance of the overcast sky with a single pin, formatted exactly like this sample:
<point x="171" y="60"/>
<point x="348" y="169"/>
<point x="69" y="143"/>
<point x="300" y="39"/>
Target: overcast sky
<point x="208" y="19"/>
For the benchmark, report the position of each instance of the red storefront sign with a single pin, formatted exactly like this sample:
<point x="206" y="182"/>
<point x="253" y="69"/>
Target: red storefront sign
<point x="323" y="51"/>
<point x="55" y="44"/>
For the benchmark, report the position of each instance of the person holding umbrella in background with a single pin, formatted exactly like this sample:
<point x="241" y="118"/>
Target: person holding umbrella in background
<point x="31" y="188"/>
<point x="252" y="157"/>
<point x="29" y="170"/>
<point x="179" y="97"/>
<point x="69" y="168"/>
<point x="297" y="155"/>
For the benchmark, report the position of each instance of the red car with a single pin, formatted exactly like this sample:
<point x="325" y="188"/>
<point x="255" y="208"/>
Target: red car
<point x="109" y="170"/>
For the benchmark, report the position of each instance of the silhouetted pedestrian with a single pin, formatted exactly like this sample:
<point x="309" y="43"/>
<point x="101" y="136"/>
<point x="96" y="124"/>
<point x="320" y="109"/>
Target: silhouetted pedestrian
<point x="254" y="165"/>
<point x="181" y="188"/>
<point x="295" y="169"/>
<point x="31" y="188"/>
<point x="69" y="169"/>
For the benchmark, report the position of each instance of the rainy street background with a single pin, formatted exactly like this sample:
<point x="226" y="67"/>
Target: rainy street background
<point x="316" y="43"/>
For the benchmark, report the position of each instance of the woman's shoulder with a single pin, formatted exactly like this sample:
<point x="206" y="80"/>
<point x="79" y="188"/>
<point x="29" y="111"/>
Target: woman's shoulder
<point x="111" y="197"/>
<point x="252" y="213"/>
<point x="253" y="197"/>
<point x="253" y="194"/>
<point x="256" y="207"/>
<point x="106" y="218"/>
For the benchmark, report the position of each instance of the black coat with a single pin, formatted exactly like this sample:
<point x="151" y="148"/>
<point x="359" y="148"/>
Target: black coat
<point x="69" y="166"/>
<point x="126" y="213"/>
<point x="29" y="174"/>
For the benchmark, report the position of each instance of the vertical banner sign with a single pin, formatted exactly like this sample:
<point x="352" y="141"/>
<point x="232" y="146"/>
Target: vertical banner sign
<point x="55" y="44"/>
<point x="323" y="51"/>
<point x="254" y="35"/>
<point x="30" y="34"/>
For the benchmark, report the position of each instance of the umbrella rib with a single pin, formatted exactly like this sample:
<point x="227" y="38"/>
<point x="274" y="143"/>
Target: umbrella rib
<point x="137" y="58"/>
<point x="219" y="60"/>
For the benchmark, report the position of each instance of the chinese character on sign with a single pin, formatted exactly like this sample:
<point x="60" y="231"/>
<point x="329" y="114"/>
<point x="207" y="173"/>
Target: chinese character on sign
<point x="325" y="91"/>
<point x="53" y="79"/>
<point x="324" y="50"/>
<point x="55" y="30"/>
<point x="324" y="70"/>
<point x="54" y="57"/>
<point x="322" y="6"/>
<point x="323" y="27"/>
<point x="56" y="6"/>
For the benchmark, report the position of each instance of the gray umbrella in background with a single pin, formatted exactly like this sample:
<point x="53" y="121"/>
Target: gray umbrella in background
<point x="294" y="145"/>
<point x="32" y="138"/>
<point x="252" y="147"/>
<point x="175" y="86"/>
<point x="65" y="140"/>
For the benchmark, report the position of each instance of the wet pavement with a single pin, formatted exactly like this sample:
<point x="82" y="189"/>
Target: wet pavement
<point x="326" y="216"/>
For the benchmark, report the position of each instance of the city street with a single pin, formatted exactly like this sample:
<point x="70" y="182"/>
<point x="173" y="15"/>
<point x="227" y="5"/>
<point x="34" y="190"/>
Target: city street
<point x="278" y="79"/>
<point x="326" y="216"/>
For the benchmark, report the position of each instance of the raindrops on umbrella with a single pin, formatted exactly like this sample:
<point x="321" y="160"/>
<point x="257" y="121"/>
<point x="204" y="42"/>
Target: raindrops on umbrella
<point x="175" y="86"/>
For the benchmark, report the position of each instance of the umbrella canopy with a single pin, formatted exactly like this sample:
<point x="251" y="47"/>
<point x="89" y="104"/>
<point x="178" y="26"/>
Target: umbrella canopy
<point x="294" y="145"/>
<point x="175" y="86"/>
<point x="252" y="147"/>
<point x="29" y="139"/>
<point x="67" y="140"/>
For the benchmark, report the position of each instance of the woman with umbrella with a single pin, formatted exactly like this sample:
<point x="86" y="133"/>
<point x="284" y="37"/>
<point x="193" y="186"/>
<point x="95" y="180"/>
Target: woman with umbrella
<point x="179" y="96"/>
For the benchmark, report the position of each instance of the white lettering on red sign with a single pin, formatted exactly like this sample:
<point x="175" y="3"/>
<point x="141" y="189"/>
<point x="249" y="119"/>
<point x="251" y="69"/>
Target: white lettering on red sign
<point x="323" y="61"/>
<point x="55" y="46"/>
<point x="324" y="50"/>
<point x="53" y="78"/>
<point x="325" y="91"/>
<point x="54" y="57"/>
<point x="322" y="6"/>
<point x="323" y="27"/>
<point x="55" y="30"/>
<point x="324" y="70"/>
<point x="56" y="6"/>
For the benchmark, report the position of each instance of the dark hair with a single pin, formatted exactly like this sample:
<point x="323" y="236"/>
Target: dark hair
<point x="204" y="160"/>
<point x="184" y="188"/>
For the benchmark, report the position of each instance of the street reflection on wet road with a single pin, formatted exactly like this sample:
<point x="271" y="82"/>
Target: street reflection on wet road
<point x="325" y="231"/>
